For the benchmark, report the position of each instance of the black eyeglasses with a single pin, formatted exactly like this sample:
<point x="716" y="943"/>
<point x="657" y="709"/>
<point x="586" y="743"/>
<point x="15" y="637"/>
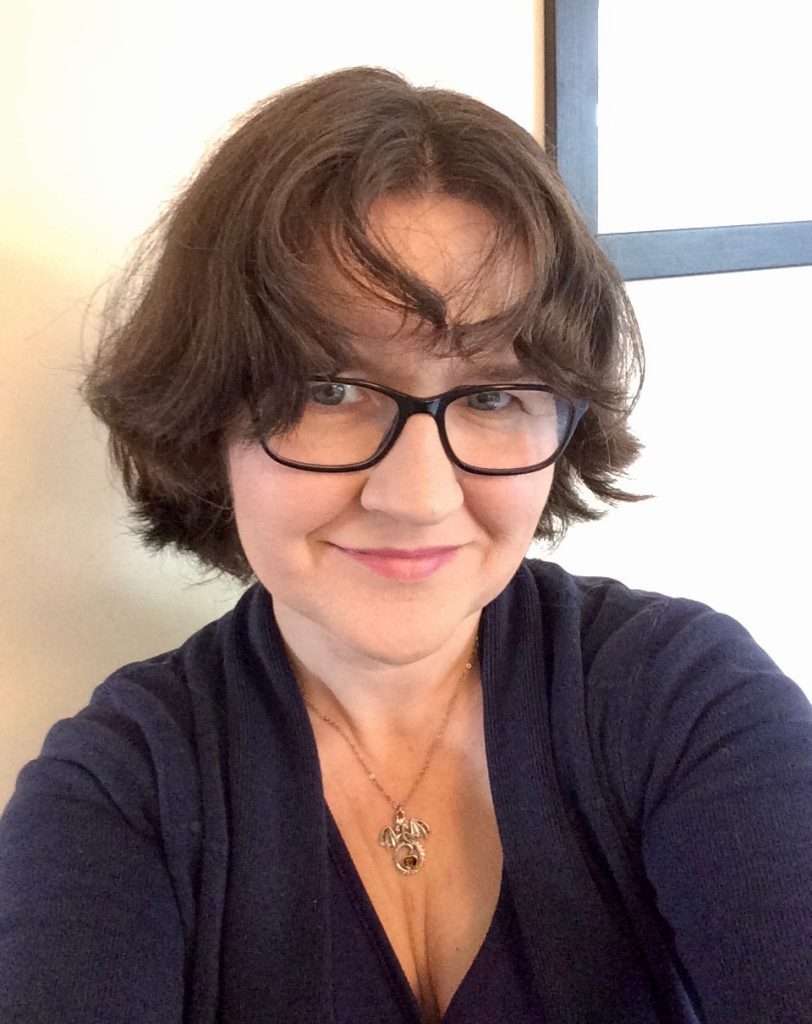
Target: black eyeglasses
<point x="492" y="429"/>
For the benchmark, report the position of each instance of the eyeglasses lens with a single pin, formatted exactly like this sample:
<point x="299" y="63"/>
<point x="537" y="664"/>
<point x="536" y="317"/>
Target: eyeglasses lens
<point x="346" y="424"/>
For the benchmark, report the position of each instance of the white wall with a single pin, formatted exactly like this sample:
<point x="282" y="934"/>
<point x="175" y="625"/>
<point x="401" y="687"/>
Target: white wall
<point x="725" y="418"/>
<point x="110" y="106"/>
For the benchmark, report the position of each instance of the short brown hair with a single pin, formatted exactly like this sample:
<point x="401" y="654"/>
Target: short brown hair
<point x="220" y="311"/>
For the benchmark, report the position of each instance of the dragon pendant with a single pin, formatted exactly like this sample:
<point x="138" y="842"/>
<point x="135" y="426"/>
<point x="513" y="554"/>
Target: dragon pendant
<point x="403" y="838"/>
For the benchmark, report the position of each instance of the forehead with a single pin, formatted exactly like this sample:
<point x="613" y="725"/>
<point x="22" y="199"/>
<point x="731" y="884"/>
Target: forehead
<point x="447" y="244"/>
<point x="399" y="360"/>
<point x="444" y="241"/>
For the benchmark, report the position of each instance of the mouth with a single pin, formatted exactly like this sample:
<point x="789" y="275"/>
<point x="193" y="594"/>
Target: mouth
<point x="405" y="566"/>
<point x="404" y="552"/>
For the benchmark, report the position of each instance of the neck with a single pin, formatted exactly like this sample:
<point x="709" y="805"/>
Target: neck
<point x="382" y="703"/>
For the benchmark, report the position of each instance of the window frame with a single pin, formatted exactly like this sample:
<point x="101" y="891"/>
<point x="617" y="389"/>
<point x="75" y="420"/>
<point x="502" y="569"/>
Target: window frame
<point x="571" y="137"/>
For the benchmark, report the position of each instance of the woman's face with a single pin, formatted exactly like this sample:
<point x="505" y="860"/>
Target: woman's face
<point x="294" y="524"/>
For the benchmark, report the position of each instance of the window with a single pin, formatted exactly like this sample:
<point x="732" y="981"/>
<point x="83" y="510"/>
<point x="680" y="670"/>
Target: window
<point x="682" y="130"/>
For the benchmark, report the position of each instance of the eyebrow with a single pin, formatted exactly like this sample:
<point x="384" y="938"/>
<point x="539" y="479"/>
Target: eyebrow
<point x="480" y="371"/>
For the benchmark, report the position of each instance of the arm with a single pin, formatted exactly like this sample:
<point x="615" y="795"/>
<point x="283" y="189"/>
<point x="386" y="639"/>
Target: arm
<point x="723" y="742"/>
<point x="90" y="927"/>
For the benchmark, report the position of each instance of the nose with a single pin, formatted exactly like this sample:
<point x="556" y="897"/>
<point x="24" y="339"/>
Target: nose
<point x="415" y="481"/>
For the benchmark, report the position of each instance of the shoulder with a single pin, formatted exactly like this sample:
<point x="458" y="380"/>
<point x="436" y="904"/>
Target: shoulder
<point x="671" y="689"/>
<point x="600" y="623"/>
<point x="130" y="752"/>
<point x="134" y="711"/>
<point x="146" y="733"/>
<point x="624" y="632"/>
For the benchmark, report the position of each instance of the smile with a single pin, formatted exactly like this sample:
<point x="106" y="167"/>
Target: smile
<point x="408" y="569"/>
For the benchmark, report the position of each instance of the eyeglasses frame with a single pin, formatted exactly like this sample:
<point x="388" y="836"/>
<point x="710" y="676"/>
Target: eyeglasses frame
<point x="435" y="406"/>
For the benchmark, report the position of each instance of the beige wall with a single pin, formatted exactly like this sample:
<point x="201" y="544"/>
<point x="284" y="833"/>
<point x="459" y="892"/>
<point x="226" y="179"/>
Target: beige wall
<point x="107" y="107"/>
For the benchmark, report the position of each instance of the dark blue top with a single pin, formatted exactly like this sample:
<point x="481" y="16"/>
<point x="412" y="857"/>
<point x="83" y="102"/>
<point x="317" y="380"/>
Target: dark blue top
<point x="369" y="983"/>
<point x="166" y="859"/>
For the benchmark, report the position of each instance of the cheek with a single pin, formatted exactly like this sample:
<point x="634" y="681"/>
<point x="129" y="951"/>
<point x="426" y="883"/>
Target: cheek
<point x="275" y="501"/>
<point x="538" y="491"/>
<point x="511" y="506"/>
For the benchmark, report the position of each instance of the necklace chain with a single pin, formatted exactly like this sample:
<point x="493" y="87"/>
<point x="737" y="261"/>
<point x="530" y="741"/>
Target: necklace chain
<point x="404" y="836"/>
<point x="370" y="774"/>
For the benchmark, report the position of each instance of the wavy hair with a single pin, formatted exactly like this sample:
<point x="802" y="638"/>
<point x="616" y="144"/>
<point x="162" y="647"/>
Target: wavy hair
<point x="222" y="309"/>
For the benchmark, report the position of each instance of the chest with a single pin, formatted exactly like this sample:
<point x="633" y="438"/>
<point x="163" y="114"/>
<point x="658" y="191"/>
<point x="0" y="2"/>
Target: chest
<point x="435" y="920"/>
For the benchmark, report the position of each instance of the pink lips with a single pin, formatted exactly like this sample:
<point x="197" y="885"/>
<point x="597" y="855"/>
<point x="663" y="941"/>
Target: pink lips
<point x="417" y="565"/>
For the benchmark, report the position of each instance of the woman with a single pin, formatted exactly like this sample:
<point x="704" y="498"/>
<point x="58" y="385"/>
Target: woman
<point x="445" y="783"/>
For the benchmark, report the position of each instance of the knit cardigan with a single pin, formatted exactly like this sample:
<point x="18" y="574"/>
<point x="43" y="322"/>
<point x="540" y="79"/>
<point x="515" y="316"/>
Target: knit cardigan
<point x="164" y="859"/>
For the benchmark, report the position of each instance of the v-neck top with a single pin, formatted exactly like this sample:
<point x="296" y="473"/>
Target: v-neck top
<point x="166" y="860"/>
<point x="369" y="983"/>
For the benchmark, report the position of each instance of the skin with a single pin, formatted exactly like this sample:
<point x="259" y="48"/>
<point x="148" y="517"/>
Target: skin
<point x="382" y="656"/>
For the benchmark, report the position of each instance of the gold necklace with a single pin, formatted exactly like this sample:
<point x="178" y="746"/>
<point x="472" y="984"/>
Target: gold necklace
<point x="403" y="837"/>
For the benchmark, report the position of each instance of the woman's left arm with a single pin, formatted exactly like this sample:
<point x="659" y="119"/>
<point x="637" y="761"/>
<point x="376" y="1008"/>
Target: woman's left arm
<point x="723" y="742"/>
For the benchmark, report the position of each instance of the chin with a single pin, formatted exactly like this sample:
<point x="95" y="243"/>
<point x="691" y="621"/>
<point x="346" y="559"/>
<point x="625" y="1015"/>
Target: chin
<point x="403" y="633"/>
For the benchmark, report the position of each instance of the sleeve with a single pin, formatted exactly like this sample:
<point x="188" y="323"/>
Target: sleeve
<point x="90" y="928"/>
<point x="723" y="741"/>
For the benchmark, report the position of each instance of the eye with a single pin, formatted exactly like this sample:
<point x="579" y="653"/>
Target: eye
<point x="330" y="393"/>
<point x="494" y="401"/>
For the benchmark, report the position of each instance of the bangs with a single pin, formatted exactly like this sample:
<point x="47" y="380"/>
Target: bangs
<point x="511" y="298"/>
